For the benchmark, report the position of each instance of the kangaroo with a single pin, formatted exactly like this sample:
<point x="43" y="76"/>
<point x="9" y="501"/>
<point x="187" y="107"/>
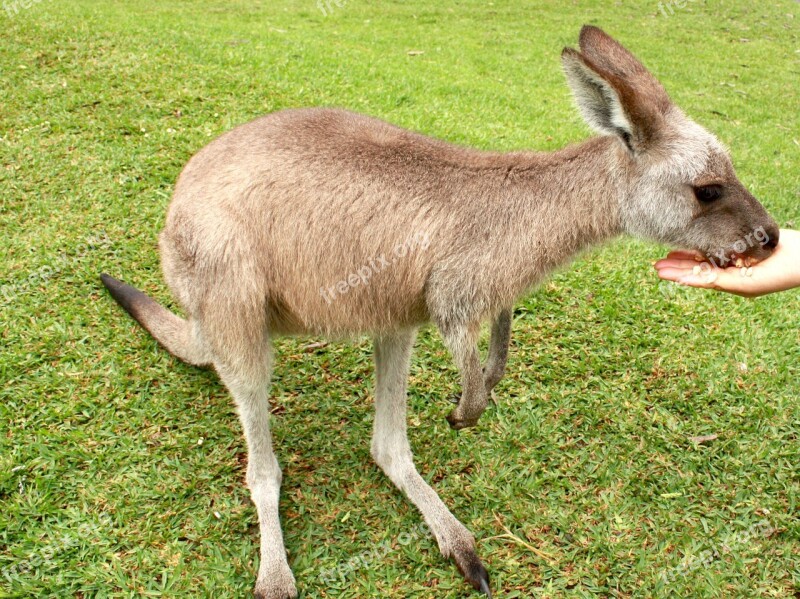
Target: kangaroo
<point x="271" y="225"/>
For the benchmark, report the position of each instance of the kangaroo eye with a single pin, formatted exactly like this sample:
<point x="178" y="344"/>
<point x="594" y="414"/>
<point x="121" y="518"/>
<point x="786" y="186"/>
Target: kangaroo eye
<point x="708" y="193"/>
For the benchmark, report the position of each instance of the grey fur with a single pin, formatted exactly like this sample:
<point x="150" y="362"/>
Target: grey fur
<point x="272" y="214"/>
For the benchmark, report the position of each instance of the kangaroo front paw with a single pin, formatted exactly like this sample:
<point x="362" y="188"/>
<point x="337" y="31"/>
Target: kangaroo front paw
<point x="275" y="583"/>
<point x="492" y="376"/>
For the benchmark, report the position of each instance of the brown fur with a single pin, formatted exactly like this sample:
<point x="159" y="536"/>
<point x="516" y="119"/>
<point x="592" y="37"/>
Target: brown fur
<point x="497" y="210"/>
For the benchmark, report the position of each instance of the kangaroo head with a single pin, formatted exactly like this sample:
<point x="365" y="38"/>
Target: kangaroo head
<point x="678" y="185"/>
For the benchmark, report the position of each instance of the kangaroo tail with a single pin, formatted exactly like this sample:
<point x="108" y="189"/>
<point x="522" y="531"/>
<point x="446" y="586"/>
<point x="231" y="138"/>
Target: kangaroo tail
<point x="171" y="331"/>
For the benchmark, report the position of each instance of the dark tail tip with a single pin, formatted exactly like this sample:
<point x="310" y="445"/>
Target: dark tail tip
<point x="126" y="296"/>
<point x="108" y="280"/>
<point x="169" y="330"/>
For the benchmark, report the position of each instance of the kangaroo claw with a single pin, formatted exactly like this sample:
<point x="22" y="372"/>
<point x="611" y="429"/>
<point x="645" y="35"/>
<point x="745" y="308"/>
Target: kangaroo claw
<point x="471" y="568"/>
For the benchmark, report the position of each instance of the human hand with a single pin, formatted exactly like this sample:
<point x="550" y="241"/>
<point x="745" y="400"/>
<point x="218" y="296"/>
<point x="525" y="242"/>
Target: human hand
<point x="779" y="272"/>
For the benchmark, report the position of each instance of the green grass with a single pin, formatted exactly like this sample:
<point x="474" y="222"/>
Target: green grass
<point x="122" y="470"/>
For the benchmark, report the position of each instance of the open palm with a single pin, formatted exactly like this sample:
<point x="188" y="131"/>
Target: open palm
<point x="779" y="272"/>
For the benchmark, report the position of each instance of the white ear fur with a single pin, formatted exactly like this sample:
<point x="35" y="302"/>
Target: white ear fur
<point x="597" y="101"/>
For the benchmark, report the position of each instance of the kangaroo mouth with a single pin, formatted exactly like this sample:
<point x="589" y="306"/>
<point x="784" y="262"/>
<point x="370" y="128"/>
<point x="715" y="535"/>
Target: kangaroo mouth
<point x="727" y="259"/>
<point x="740" y="261"/>
<point x="744" y="252"/>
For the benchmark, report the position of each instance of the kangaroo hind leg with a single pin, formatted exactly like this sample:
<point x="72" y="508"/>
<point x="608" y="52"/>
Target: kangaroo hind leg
<point x="242" y="352"/>
<point x="392" y="452"/>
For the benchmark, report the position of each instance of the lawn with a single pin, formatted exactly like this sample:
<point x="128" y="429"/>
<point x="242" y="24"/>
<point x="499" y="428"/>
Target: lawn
<point x="122" y="470"/>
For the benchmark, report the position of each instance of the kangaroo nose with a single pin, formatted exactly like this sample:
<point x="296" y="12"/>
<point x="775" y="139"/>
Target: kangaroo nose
<point x="773" y="235"/>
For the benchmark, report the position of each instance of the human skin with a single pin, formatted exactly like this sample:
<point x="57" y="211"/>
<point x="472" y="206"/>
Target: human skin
<point x="779" y="272"/>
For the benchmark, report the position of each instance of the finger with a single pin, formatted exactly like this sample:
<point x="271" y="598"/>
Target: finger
<point x="674" y="274"/>
<point x="675" y="263"/>
<point x="686" y="255"/>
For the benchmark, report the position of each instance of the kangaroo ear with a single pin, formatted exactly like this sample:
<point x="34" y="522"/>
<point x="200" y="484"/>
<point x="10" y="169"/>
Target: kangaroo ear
<point x="597" y="100"/>
<point x="615" y="93"/>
